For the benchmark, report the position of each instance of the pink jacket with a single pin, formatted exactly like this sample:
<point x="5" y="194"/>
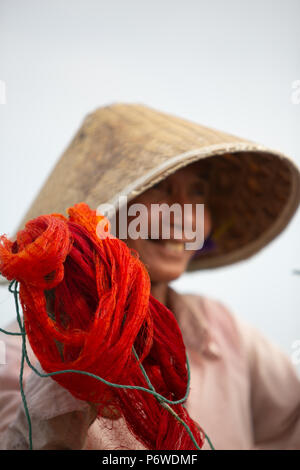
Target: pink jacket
<point x="244" y="393"/>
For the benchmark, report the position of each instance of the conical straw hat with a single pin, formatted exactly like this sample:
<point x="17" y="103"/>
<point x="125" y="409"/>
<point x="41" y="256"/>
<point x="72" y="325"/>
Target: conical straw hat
<point x="124" y="149"/>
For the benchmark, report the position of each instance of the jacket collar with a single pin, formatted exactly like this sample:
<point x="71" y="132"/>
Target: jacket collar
<point x="191" y="313"/>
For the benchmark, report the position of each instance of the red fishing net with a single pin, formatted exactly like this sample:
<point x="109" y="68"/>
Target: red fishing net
<point x="87" y="306"/>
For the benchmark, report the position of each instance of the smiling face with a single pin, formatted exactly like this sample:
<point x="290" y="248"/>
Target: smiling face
<point x="167" y="259"/>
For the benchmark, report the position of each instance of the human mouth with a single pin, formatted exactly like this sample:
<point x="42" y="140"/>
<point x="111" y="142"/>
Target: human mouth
<point x="169" y="246"/>
<point x="174" y="246"/>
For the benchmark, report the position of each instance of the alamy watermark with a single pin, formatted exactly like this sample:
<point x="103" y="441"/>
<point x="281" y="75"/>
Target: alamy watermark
<point x="2" y="92"/>
<point x="184" y="218"/>
<point x="295" y="96"/>
<point x="296" y="353"/>
<point x="2" y="352"/>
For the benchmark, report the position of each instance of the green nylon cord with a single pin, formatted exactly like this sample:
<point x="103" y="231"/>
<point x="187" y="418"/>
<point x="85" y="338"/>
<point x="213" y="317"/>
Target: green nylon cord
<point x="164" y="404"/>
<point x="162" y="400"/>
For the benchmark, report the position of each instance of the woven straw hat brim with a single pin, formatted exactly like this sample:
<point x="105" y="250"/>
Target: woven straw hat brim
<point x="124" y="149"/>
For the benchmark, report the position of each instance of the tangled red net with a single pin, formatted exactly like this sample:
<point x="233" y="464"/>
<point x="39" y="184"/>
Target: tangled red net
<point x="87" y="304"/>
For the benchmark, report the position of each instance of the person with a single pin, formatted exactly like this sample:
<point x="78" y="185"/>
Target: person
<point x="244" y="392"/>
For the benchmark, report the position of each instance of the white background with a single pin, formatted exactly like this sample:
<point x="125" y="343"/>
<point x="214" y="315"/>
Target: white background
<point x="229" y="65"/>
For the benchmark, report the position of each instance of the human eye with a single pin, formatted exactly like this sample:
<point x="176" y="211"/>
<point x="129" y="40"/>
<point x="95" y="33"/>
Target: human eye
<point x="159" y="187"/>
<point x="199" y="188"/>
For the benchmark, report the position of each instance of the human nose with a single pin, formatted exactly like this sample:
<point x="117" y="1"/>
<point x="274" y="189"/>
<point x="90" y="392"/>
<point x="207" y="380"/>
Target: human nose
<point x="178" y="193"/>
